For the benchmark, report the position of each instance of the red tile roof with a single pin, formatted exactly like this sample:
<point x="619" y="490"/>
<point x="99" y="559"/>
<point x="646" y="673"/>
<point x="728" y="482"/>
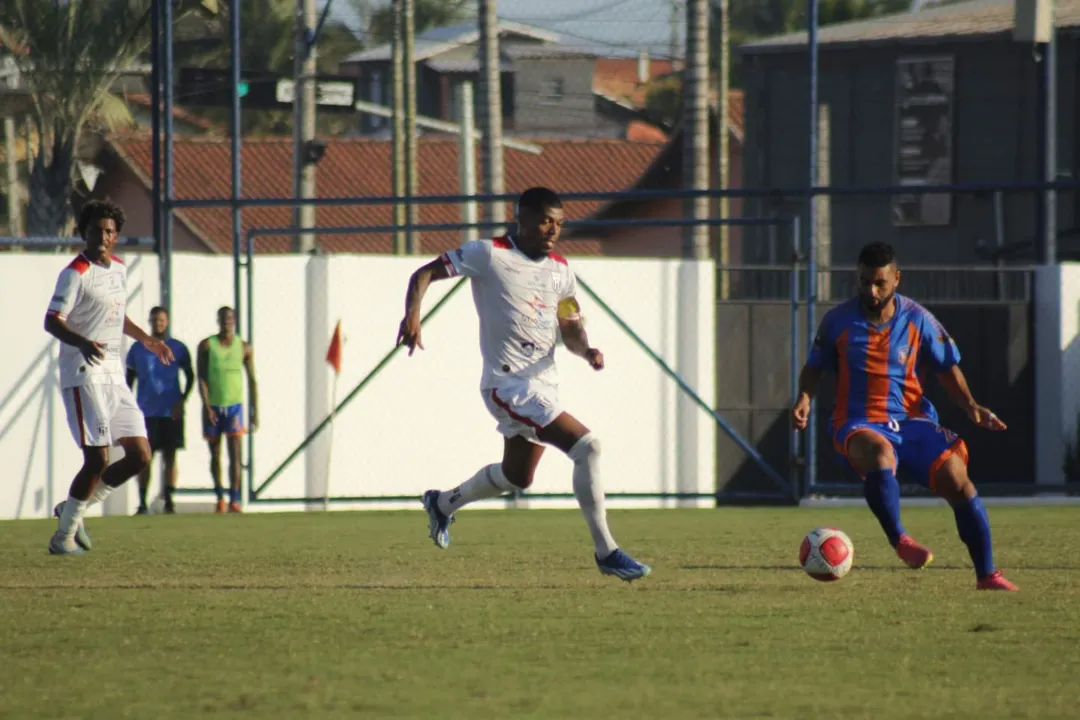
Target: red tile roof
<point x="617" y="78"/>
<point x="179" y="113"/>
<point x="361" y="167"/>
<point x="638" y="131"/>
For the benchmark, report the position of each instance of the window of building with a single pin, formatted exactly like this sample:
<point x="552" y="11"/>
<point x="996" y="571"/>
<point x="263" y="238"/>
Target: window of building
<point x="552" y="89"/>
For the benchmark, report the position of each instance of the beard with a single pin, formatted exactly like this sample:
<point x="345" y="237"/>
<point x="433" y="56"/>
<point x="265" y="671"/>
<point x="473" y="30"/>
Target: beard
<point x="873" y="305"/>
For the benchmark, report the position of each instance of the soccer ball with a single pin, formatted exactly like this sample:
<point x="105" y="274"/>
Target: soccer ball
<point x="826" y="554"/>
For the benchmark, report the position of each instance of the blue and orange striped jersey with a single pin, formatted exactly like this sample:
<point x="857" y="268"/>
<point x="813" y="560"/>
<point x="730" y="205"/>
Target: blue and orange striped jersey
<point x="878" y="367"/>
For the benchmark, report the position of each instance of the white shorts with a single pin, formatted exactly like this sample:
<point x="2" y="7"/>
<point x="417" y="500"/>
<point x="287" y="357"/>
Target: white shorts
<point x="523" y="407"/>
<point x="99" y="415"/>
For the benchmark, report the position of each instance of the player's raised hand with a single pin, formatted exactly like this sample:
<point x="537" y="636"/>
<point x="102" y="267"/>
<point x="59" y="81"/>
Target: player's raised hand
<point x="800" y="414"/>
<point x="409" y="333"/>
<point x="595" y="358"/>
<point x="161" y="349"/>
<point x="93" y="352"/>
<point x="985" y="419"/>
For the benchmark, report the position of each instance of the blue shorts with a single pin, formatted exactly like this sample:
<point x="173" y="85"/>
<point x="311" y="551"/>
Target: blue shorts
<point x="230" y="421"/>
<point x="920" y="445"/>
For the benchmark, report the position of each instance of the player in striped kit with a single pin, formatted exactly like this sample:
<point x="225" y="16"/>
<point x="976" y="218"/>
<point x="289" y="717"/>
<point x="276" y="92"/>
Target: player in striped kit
<point x="87" y="314"/>
<point x="518" y="282"/>
<point x="876" y="344"/>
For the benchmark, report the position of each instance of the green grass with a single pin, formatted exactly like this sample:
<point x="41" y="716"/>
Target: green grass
<point x="358" y="614"/>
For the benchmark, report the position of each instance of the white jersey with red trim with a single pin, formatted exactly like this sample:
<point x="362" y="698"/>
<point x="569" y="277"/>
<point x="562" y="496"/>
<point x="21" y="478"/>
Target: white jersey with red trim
<point x="516" y="298"/>
<point x="92" y="300"/>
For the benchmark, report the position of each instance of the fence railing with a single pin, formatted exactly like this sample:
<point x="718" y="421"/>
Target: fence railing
<point x="951" y="284"/>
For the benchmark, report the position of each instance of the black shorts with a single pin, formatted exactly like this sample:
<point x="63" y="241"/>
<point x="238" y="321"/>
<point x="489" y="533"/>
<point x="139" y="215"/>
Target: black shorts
<point x="164" y="433"/>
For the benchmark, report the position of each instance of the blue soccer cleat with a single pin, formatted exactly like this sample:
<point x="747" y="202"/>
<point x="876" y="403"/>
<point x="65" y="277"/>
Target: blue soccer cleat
<point x="622" y="566"/>
<point x="438" y="523"/>
<point x="81" y="536"/>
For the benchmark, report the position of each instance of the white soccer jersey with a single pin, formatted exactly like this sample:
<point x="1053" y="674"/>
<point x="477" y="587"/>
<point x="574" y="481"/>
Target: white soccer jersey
<point x="516" y="298"/>
<point x="92" y="300"/>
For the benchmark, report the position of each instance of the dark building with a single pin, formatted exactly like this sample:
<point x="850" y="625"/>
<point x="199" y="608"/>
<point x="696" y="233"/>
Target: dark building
<point x="937" y="96"/>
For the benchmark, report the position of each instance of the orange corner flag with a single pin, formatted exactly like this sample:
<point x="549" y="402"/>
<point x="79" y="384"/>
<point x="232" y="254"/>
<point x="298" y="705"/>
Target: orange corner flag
<point x="333" y="355"/>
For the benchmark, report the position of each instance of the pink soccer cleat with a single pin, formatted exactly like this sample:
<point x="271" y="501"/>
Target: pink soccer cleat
<point x="914" y="555"/>
<point x="995" y="581"/>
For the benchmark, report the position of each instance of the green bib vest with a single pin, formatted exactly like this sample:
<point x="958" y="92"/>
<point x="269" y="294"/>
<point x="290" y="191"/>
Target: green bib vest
<point x="225" y="373"/>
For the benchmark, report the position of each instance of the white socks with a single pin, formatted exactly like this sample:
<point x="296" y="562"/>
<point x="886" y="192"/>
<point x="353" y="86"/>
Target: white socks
<point x="488" y="483"/>
<point x="491" y="482"/>
<point x="100" y="493"/>
<point x="71" y="516"/>
<point x="590" y="493"/>
<point x="73" y="511"/>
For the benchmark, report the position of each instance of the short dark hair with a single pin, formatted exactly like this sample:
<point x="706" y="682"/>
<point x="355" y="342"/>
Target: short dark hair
<point x="157" y="309"/>
<point x="224" y="309"/>
<point x="97" y="210"/>
<point x="538" y="199"/>
<point x="877" y="255"/>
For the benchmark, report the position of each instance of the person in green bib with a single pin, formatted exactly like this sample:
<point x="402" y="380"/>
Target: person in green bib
<point x="222" y="361"/>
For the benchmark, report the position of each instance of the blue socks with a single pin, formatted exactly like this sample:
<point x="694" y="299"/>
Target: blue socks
<point x="234" y="496"/>
<point x="974" y="528"/>
<point x="883" y="496"/>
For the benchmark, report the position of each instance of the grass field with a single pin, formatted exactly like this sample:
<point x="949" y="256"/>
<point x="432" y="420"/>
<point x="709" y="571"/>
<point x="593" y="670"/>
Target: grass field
<point x="358" y="614"/>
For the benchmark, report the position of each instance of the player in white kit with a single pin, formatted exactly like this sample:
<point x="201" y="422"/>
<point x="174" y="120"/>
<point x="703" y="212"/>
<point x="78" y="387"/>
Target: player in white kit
<point x="88" y="315"/>
<point x="524" y="295"/>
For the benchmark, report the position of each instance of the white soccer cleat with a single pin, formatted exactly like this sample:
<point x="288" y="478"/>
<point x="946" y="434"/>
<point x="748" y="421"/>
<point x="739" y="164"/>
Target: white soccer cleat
<point x="59" y="545"/>
<point x="82" y="538"/>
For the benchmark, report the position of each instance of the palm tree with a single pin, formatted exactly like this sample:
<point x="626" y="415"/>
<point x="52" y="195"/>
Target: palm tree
<point x="266" y="45"/>
<point x="70" y="53"/>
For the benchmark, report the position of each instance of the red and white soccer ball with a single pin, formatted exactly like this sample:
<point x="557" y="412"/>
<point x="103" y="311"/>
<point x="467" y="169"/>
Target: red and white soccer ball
<point x="826" y="554"/>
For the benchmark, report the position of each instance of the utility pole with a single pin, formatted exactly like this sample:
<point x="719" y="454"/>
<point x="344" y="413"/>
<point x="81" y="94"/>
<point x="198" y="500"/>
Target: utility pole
<point x="304" y="122"/>
<point x="412" y="181"/>
<point x="467" y="158"/>
<point x="696" y="126"/>
<point x="491" y="111"/>
<point x="689" y="333"/>
<point x="673" y="49"/>
<point x="397" y="122"/>
<point x="14" y="201"/>
<point x="722" y="146"/>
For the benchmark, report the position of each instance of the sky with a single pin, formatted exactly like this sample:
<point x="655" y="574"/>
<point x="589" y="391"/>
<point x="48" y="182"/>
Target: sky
<point x="609" y="27"/>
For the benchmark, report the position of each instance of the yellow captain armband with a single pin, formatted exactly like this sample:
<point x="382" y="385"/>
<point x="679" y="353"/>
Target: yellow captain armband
<point x="569" y="310"/>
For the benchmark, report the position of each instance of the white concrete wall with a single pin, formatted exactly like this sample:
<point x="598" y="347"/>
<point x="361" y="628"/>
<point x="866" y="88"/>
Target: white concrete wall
<point x="419" y="424"/>
<point x="1057" y="369"/>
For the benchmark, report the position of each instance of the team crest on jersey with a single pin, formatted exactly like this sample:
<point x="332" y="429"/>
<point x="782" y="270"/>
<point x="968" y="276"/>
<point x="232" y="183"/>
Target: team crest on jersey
<point x="902" y="354"/>
<point x="556" y="282"/>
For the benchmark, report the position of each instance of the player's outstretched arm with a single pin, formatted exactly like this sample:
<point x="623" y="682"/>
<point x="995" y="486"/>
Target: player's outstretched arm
<point x="409" y="330"/>
<point x="955" y="384"/>
<point x="573" y="333"/>
<point x="158" y="347"/>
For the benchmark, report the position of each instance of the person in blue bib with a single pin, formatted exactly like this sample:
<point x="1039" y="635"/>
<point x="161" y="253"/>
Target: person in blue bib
<point x="158" y="393"/>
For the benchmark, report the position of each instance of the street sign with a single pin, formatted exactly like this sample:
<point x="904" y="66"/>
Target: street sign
<point x="329" y="93"/>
